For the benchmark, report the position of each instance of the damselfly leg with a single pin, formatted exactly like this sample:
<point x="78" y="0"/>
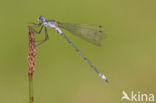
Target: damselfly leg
<point x="35" y="25"/>
<point x="38" y="32"/>
<point x="46" y="37"/>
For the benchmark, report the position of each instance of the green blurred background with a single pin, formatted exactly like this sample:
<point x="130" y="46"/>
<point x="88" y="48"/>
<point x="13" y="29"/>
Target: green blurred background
<point x="127" y="56"/>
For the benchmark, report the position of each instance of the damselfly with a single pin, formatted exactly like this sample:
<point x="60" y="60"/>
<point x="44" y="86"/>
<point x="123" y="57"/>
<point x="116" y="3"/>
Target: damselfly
<point x="90" y="33"/>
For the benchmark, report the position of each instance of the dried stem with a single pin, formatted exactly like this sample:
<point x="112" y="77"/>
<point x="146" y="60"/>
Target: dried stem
<point x="31" y="62"/>
<point x="31" y="96"/>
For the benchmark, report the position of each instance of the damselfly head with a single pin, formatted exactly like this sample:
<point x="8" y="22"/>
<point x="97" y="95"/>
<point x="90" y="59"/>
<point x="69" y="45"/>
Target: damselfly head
<point x="41" y="18"/>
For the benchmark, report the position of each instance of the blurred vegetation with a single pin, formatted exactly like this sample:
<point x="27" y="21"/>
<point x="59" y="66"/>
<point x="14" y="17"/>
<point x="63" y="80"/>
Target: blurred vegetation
<point x="127" y="56"/>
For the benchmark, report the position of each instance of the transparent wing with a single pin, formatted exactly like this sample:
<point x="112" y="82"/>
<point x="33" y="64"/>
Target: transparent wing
<point x="91" y="33"/>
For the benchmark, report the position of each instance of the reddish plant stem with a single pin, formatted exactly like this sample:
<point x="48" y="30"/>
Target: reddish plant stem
<point x="31" y="62"/>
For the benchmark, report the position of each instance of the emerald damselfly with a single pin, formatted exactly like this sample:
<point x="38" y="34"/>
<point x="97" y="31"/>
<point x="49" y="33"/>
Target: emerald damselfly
<point x="93" y="34"/>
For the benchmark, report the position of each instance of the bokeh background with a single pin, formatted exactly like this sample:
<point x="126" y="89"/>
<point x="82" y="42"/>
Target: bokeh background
<point x="127" y="55"/>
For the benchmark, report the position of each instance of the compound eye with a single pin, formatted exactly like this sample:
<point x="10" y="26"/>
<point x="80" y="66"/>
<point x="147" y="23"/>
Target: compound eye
<point x="41" y="18"/>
